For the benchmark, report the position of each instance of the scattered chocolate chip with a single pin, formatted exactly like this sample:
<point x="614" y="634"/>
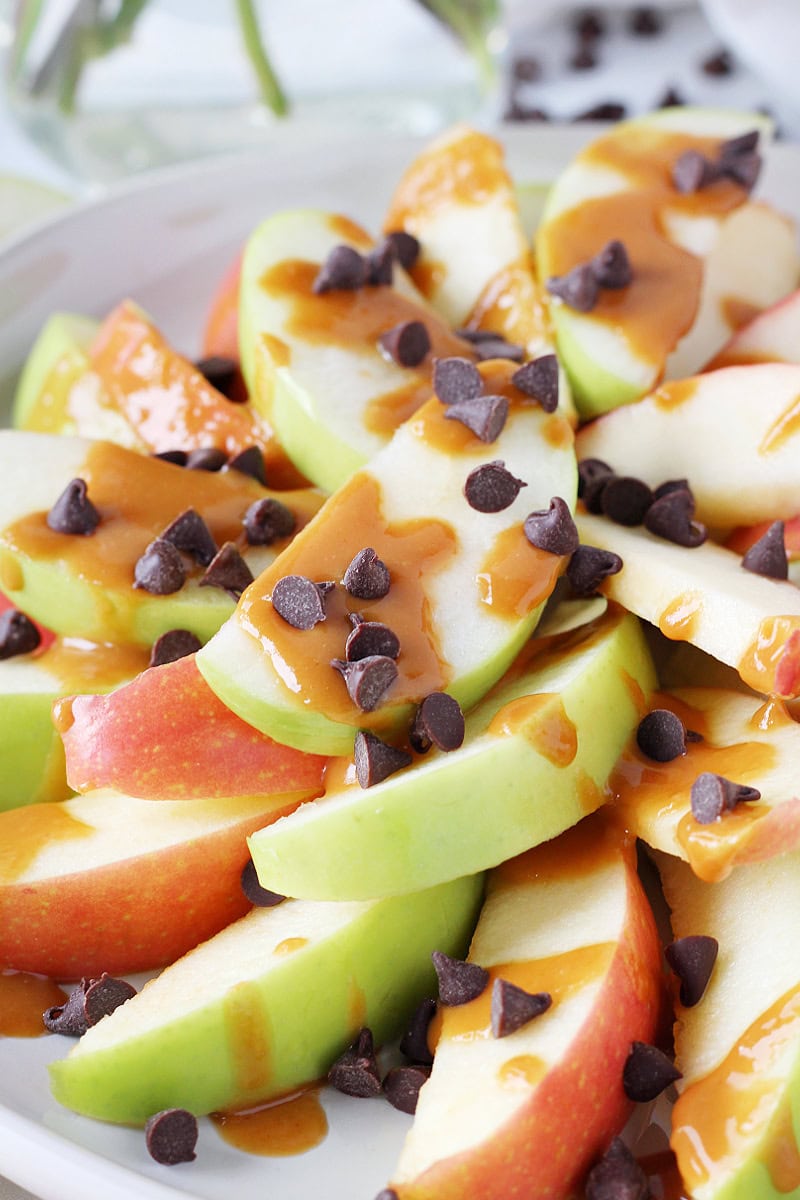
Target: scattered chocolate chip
<point x="476" y="336"/>
<point x="491" y="488"/>
<point x="609" y="110"/>
<point x="552" y="529"/>
<point x="589" y="25"/>
<point x="647" y="1072"/>
<point x="260" y="896"/>
<point x="267" y="521"/>
<point x="73" y="511"/>
<point x="406" y="247"/>
<point x="402" y="1086"/>
<point x="671" y="485"/>
<point x="178" y="458"/>
<point x="171" y="1136"/>
<point x="717" y="64"/>
<point x="228" y="570"/>
<point x="367" y="576"/>
<point x="369" y="638"/>
<point x="692" y="171"/>
<point x="671" y="98"/>
<point x="671" y="517"/>
<point x="577" y="289"/>
<point x="356" y="1071"/>
<point x="456" y="379"/>
<point x="617" y="1176"/>
<point x="18" y="634"/>
<point x="367" y="679"/>
<point x="407" y="343"/>
<point x="743" y="143"/>
<point x="300" y="601"/>
<point x="206" y="458"/>
<point x="589" y="471"/>
<point x="611" y="265"/>
<point x="539" y="380"/>
<point x="513" y="1007"/>
<point x="376" y="760"/>
<point x="414" y="1042"/>
<point x="625" y="500"/>
<point x="387" y="1194"/>
<point x="692" y="959"/>
<point x="743" y="170"/>
<point x="459" y="982"/>
<point x="160" y="569"/>
<point x="713" y="795"/>
<point x="220" y="371"/>
<point x="645" y="22"/>
<point x="380" y="264"/>
<point x="661" y="735"/>
<point x="526" y="69"/>
<point x="584" y="59"/>
<point x="499" y="347"/>
<point x="344" y="270"/>
<point x="249" y="461"/>
<point x="172" y="645"/>
<point x="767" y="556"/>
<point x="69" y="1018"/>
<point x="588" y="567"/>
<point x="189" y="532"/>
<point x="87" y="1004"/>
<point x="485" y="416"/>
<point x="524" y="112"/>
<point x="439" y="722"/>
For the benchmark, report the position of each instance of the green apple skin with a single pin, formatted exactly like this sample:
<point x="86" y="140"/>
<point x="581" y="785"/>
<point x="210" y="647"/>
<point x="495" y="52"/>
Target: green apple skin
<point x="453" y="814"/>
<point x="63" y="343"/>
<point x="34" y="770"/>
<point x="253" y="1014"/>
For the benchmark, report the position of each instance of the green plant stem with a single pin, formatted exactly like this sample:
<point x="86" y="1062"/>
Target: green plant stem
<point x="269" y="85"/>
<point x="470" y="23"/>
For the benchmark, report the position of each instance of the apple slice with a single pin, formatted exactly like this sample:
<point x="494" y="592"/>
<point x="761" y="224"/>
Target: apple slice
<point x="105" y="882"/>
<point x="166" y="736"/>
<point x="82" y="586"/>
<point x="466" y="586"/>
<point x="748" y="414"/>
<point x="58" y="359"/>
<point x="703" y="596"/>
<point x="527" y="1113"/>
<point x="771" y="336"/>
<point x="266" y="1006"/>
<point x="532" y="745"/>
<point x="739" y="1048"/>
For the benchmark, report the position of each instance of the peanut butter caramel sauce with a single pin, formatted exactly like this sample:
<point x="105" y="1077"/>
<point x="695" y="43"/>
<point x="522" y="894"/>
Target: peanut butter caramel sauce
<point x="515" y="576"/>
<point x="23" y="999"/>
<point x="25" y="831"/>
<point x="737" y="312"/>
<point x="466" y="170"/>
<point x="249" y="1038"/>
<point x="81" y="665"/>
<point x="680" y="618"/>
<point x="512" y="306"/>
<point x="772" y="662"/>
<point x="289" y="1126"/>
<point x="553" y="735"/>
<point x="594" y="843"/>
<point x="785" y="427"/>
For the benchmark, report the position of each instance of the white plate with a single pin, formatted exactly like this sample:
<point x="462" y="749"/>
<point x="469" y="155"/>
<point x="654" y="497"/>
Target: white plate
<point x="165" y="241"/>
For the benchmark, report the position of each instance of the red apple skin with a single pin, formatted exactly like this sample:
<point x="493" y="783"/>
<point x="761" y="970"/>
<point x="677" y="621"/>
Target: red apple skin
<point x="744" y="536"/>
<point x="544" y="1152"/>
<point x="166" y="736"/>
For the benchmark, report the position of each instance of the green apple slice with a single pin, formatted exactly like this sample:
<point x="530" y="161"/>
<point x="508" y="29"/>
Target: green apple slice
<point x="58" y="358"/>
<point x="532" y="764"/>
<point x="467" y="586"/>
<point x="267" y="1005"/>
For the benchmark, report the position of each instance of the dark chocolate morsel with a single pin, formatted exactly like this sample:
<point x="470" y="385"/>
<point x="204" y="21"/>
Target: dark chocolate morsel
<point x="526" y="69"/>
<point x="647" y="1072"/>
<point x="267" y="521"/>
<point x="18" y="634"/>
<point x="220" y="371"/>
<point x="178" y="458"/>
<point x="552" y="529"/>
<point x="406" y="343"/>
<point x="713" y="795"/>
<point x="692" y="959"/>
<point x="606" y="110"/>
<point x="588" y="25"/>
<point x="671" y="517"/>
<point x="671" y="485"/>
<point x="73" y="511"/>
<point x="439" y="721"/>
<point x="260" y="896"/>
<point x="498" y="347"/>
<point x="661" y="735"/>
<point x="69" y="1018"/>
<point x="456" y="379"/>
<point x="744" y="170"/>
<point x="402" y="1086"/>
<point x="344" y="270"/>
<point x="380" y="264"/>
<point x="103" y="995"/>
<point x="367" y="576"/>
<point x="645" y="22"/>
<point x="300" y="601"/>
<point x="387" y="1194"/>
<point x="768" y="556"/>
<point x="189" y="532"/>
<point x="172" y="645"/>
<point x="513" y="1007"/>
<point x="617" y="1176"/>
<point x="584" y="59"/>
<point x="249" y="461"/>
<point x="484" y="415"/>
<point x="171" y="1136"/>
<point x="589" y="566"/>
<point x="367" y="679"/>
<point x="692" y="171"/>
<point x="160" y="569"/>
<point x="589" y="471"/>
<point x="406" y="247"/>
<point x="625" y="500"/>
<point x="539" y="380"/>
<point x="229" y="571"/>
<point x="376" y="760"/>
<point x="206" y="458"/>
<point x="671" y="98"/>
<point x="459" y="981"/>
<point x="371" y="637"/>
<point x="611" y="265"/>
<point x="735" y="147"/>
<point x="491" y="488"/>
<point x="414" y="1042"/>
<point x="718" y="64"/>
<point x="356" y="1071"/>
<point x="578" y="289"/>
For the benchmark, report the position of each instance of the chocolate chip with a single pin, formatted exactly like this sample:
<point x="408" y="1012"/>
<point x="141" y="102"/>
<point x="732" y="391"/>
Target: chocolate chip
<point x="387" y="1194"/>
<point x="267" y="521"/>
<point x="611" y="265"/>
<point x="367" y="679"/>
<point x="160" y="569"/>
<point x="69" y="1018"/>
<point x="459" y="982"/>
<point x="539" y="380"/>
<point x="589" y="566"/>
<point x="744" y="170"/>
<point x="671" y="485"/>
<point x="645" y="22"/>
<point x="485" y="416"/>
<point x="647" y="1072"/>
<point x="406" y="247"/>
<point x="206" y="458"/>
<point x="102" y="996"/>
<point x="670" y="517"/>
<point x="380" y="264"/>
<point x="661" y="735"/>
<point x="300" y="601"/>
<point x="406" y="343"/>
<point x="499" y="347"/>
<point x="625" y="500"/>
<point x="172" y="645"/>
<point x="767" y="556"/>
<point x="692" y="959"/>
<point x="525" y="68"/>
<point x="171" y="1136"/>
<point x="220" y="371"/>
<point x="589" y="25"/>
<point x="356" y="1071"/>
<point x="717" y="64"/>
<point x="367" y="576"/>
<point x="376" y="760"/>
<point x="189" y="532"/>
<point x="414" y="1042"/>
<point x="344" y="270"/>
<point x="402" y="1086"/>
<point x="617" y="1176"/>
<point x="578" y="289"/>
<point x="584" y="59"/>
<point x="228" y="571"/>
<point x="260" y="896"/>
<point x="713" y="795"/>
<point x="18" y="634"/>
<point x="692" y="171"/>
<point x="608" y="110"/>
<point x="439" y="722"/>
<point x="513" y="1007"/>
<point x="524" y="112"/>
<point x="735" y="147"/>
<point x="369" y="638"/>
<point x="249" y="461"/>
<point x="589" y="471"/>
<point x="73" y="511"/>
<point x="178" y="458"/>
<point x="552" y="529"/>
<point x="456" y="379"/>
<point x="671" y="98"/>
<point x="491" y="488"/>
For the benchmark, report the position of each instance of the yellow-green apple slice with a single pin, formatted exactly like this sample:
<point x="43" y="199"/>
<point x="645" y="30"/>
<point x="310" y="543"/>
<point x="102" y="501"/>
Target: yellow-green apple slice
<point x="733" y="1130"/>
<point x="527" y="1113"/>
<point x="105" y="882"/>
<point x="57" y="359"/>
<point x="621" y="188"/>
<point x="314" y="364"/>
<point x="703" y="595"/>
<point x="744" y="739"/>
<point x="532" y="745"/>
<point x="466" y="587"/>
<point x="771" y="336"/>
<point x="166" y="736"/>
<point x="748" y="414"/>
<point x="83" y="586"/>
<point x="267" y="1005"/>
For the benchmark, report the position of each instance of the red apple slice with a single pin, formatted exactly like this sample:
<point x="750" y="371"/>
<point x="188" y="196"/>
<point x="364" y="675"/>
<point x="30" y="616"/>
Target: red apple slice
<point x="771" y="336"/>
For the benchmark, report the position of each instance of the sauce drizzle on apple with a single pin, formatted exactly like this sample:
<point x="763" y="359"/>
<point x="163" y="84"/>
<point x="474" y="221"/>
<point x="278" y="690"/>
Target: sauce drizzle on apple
<point x="23" y="999"/>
